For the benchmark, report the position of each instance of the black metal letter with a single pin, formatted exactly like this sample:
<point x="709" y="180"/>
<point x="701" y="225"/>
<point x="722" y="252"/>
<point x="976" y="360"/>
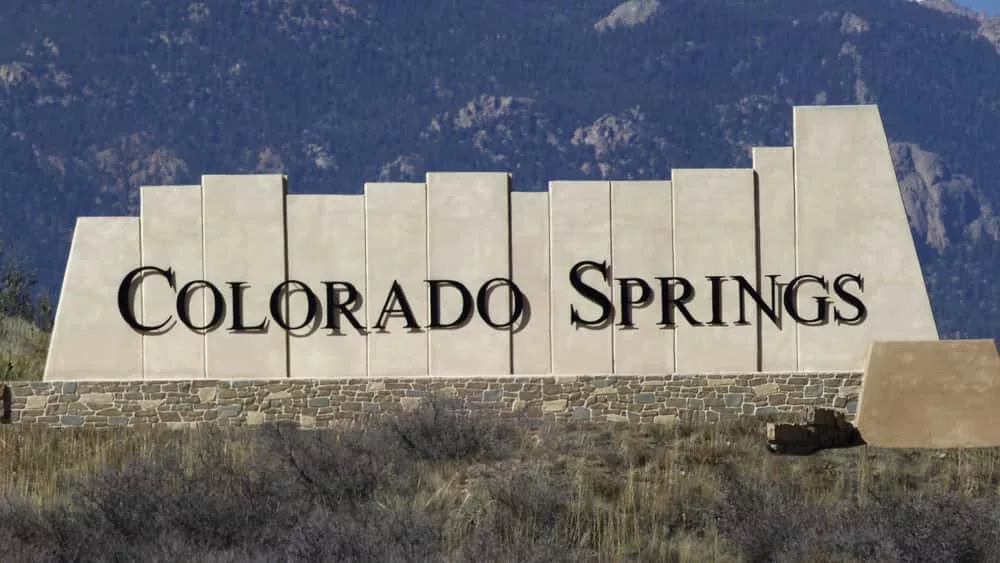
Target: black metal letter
<point x="853" y="300"/>
<point x="238" y="325"/>
<point x="591" y="294"/>
<point x="483" y="302"/>
<point x="396" y="295"/>
<point x="334" y="308"/>
<point x="434" y="286"/>
<point x="627" y="302"/>
<point x="218" y="306"/>
<point x="669" y="302"/>
<point x="312" y="307"/>
<point x="792" y="304"/>
<point x="125" y="297"/>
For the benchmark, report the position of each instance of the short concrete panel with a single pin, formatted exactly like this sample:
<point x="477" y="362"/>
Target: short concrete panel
<point x="934" y="394"/>
<point x="326" y="243"/>
<point x="714" y="235"/>
<point x="580" y="230"/>
<point x="396" y="251"/>
<point x="774" y="167"/>
<point x="172" y="237"/>
<point x="90" y="339"/>
<point x="851" y="220"/>
<point x="245" y="242"/>
<point x="468" y="241"/>
<point x="642" y="249"/>
<point x="529" y="231"/>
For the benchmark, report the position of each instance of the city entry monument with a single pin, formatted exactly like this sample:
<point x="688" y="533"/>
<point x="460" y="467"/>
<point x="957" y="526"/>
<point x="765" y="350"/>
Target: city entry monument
<point x="797" y="264"/>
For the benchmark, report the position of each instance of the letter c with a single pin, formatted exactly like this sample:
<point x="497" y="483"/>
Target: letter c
<point x="125" y="297"/>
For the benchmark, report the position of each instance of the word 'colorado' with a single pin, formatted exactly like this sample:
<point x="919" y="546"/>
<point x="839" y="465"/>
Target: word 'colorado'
<point x="343" y="300"/>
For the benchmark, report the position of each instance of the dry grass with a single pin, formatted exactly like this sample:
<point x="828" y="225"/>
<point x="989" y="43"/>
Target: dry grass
<point x="439" y="486"/>
<point x="22" y="350"/>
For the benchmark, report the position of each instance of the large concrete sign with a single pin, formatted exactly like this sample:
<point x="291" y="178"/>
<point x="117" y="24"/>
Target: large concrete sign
<point x="796" y="264"/>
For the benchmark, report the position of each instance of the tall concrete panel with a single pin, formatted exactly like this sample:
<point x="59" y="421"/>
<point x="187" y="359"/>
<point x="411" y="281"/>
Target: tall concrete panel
<point x="171" y="226"/>
<point x="468" y="240"/>
<point x="396" y="250"/>
<point x="774" y="167"/>
<point x="244" y="224"/>
<point x="850" y="219"/>
<point x="714" y="235"/>
<point x="580" y="230"/>
<point x="326" y="243"/>
<point x="529" y="231"/>
<point x="934" y="394"/>
<point x="90" y="340"/>
<point x="642" y="248"/>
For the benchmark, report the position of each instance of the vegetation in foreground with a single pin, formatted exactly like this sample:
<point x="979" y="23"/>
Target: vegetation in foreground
<point x="438" y="485"/>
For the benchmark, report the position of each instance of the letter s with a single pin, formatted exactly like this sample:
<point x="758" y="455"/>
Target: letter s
<point x="590" y="293"/>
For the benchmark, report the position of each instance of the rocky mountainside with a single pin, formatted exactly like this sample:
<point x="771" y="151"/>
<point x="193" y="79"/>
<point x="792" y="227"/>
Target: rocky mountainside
<point x="98" y="98"/>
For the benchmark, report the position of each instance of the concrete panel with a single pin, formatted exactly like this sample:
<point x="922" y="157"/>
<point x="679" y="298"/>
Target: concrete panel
<point x="933" y="394"/>
<point x="171" y="225"/>
<point x="245" y="242"/>
<point x="529" y="231"/>
<point x="326" y="243"/>
<point x="776" y="245"/>
<point x="850" y="219"/>
<point x="468" y="240"/>
<point x="396" y="250"/>
<point x="714" y="235"/>
<point x="642" y="247"/>
<point x="580" y="229"/>
<point x="90" y="340"/>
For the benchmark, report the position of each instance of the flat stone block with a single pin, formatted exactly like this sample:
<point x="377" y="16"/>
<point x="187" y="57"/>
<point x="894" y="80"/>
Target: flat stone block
<point x="396" y="250"/>
<point x="468" y="241"/>
<point x="850" y="219"/>
<point x="530" y="263"/>
<point x="244" y="226"/>
<point x="89" y="338"/>
<point x="326" y="243"/>
<point x="714" y="235"/>
<point x="172" y="237"/>
<point x="580" y="229"/>
<point x="642" y="248"/>
<point x="774" y="167"/>
<point x="934" y="394"/>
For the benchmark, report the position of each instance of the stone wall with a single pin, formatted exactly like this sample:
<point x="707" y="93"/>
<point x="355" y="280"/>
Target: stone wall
<point x="320" y="403"/>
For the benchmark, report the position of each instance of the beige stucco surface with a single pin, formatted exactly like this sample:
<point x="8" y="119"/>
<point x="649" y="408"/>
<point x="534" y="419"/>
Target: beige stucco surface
<point x="850" y="219"/>
<point x="396" y="249"/>
<point x="580" y="229"/>
<point x="468" y="240"/>
<point x="642" y="247"/>
<point x="826" y="206"/>
<point x="714" y="236"/>
<point x="171" y="226"/>
<point x="326" y="243"/>
<point x="244" y="222"/>
<point x="774" y="167"/>
<point x="89" y="339"/>
<point x="529" y="231"/>
<point x="933" y="394"/>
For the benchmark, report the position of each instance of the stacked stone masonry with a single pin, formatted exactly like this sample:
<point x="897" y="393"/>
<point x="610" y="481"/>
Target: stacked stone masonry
<point x="323" y="403"/>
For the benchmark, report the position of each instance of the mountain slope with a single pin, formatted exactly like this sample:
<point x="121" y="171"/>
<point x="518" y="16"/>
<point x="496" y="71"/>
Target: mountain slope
<point x="99" y="98"/>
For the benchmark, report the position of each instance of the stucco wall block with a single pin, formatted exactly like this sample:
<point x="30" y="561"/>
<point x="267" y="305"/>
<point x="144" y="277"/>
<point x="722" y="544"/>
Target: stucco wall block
<point x="774" y="167"/>
<point x="642" y="248"/>
<point x="580" y="229"/>
<point x="326" y="243"/>
<point x="172" y="237"/>
<point x="530" y="262"/>
<point x="714" y="235"/>
<point x="396" y="250"/>
<point x="934" y="394"/>
<point x="89" y="338"/>
<point x="244" y="225"/>
<point x="468" y="241"/>
<point x="850" y="219"/>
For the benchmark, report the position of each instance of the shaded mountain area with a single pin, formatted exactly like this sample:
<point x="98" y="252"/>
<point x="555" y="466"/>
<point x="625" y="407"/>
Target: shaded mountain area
<point x="101" y="97"/>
